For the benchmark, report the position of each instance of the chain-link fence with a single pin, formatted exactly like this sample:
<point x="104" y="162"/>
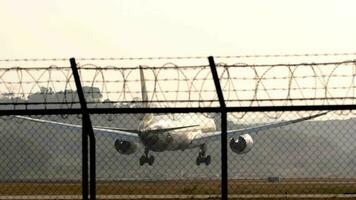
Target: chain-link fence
<point x="314" y="157"/>
<point x="167" y="137"/>
<point x="308" y="158"/>
<point x="38" y="160"/>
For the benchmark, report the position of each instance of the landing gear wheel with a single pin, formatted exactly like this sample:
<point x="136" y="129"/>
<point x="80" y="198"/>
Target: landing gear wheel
<point x="198" y="161"/>
<point x="146" y="159"/>
<point x="201" y="157"/>
<point x="151" y="159"/>
<point x="207" y="160"/>
<point x="142" y="160"/>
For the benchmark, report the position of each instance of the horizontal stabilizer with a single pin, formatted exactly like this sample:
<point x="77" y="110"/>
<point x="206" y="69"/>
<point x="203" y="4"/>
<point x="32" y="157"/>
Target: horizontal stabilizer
<point x="118" y="129"/>
<point x="170" y="129"/>
<point x="146" y="131"/>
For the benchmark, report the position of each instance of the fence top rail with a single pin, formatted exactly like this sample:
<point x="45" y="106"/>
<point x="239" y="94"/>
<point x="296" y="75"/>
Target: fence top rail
<point x="176" y="110"/>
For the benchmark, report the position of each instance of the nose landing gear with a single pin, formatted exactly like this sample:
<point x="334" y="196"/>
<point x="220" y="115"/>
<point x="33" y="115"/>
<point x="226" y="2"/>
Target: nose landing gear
<point x="146" y="158"/>
<point x="201" y="157"/>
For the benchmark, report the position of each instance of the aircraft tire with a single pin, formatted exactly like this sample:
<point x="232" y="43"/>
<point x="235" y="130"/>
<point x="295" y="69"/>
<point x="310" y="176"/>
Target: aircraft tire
<point x="151" y="159"/>
<point x="207" y="160"/>
<point x="198" y="161"/>
<point x="142" y="160"/>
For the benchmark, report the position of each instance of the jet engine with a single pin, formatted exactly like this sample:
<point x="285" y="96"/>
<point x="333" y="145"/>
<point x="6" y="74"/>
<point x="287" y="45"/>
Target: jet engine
<point x="242" y="145"/>
<point x="125" y="147"/>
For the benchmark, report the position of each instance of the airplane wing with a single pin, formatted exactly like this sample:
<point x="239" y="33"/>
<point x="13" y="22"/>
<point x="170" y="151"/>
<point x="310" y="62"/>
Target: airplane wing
<point x="202" y="138"/>
<point x="98" y="131"/>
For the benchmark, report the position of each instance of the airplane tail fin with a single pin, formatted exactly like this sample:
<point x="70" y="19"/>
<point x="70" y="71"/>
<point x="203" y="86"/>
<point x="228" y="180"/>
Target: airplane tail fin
<point x="147" y="119"/>
<point x="143" y="89"/>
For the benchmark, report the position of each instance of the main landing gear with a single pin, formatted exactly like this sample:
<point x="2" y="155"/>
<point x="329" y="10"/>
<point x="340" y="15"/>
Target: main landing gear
<point x="147" y="159"/>
<point x="201" y="157"/>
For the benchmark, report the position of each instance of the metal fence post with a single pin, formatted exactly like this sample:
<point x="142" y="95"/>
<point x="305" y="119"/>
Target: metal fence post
<point x="87" y="132"/>
<point x="223" y="110"/>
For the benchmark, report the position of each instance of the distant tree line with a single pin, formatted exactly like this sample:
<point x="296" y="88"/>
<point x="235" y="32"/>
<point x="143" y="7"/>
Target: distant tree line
<point x="47" y="98"/>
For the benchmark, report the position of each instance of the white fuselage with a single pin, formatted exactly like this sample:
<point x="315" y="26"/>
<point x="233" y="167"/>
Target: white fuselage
<point x="157" y="140"/>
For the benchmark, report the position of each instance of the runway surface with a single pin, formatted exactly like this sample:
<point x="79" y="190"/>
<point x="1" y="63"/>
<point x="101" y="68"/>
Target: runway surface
<point x="202" y="196"/>
<point x="189" y="189"/>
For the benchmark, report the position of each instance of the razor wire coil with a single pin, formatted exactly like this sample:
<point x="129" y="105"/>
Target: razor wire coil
<point x="172" y="85"/>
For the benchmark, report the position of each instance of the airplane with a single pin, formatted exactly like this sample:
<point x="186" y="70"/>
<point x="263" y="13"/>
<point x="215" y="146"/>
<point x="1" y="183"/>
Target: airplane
<point x="158" y="135"/>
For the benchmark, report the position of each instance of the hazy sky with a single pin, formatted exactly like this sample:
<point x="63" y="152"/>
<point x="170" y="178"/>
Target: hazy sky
<point x="133" y="28"/>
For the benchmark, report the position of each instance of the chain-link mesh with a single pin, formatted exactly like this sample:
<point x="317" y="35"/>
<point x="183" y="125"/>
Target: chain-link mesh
<point x="172" y="172"/>
<point x="37" y="159"/>
<point x="310" y="158"/>
<point x="314" y="157"/>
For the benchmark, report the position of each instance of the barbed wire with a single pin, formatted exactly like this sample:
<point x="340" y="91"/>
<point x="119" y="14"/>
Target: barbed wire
<point x="172" y="85"/>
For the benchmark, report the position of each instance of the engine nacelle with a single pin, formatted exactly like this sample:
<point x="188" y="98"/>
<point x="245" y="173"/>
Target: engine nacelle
<point x="125" y="147"/>
<point x="242" y="145"/>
